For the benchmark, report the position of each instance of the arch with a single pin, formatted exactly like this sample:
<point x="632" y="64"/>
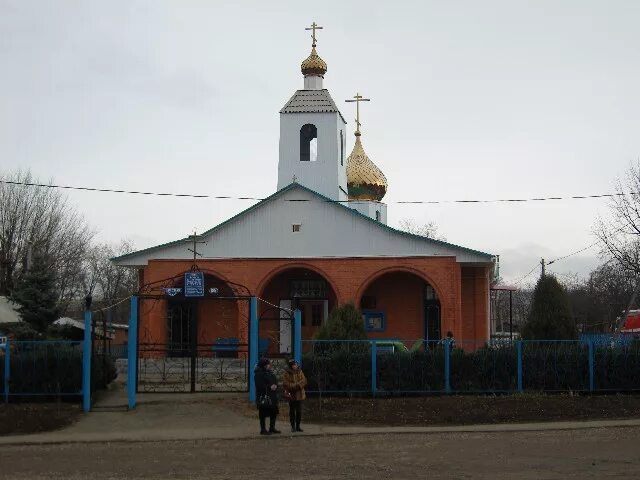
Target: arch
<point x="293" y="286"/>
<point x="374" y="276"/>
<point x="276" y="271"/>
<point x="308" y="133"/>
<point x="401" y="302"/>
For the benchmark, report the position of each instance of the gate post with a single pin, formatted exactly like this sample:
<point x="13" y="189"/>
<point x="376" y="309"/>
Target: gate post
<point x="447" y="366"/>
<point x="519" y="354"/>
<point x="591" y="358"/>
<point x="374" y="367"/>
<point x="7" y="369"/>
<point x="86" y="363"/>
<point x="253" y="345"/>
<point x="132" y="356"/>
<point x="297" y="336"/>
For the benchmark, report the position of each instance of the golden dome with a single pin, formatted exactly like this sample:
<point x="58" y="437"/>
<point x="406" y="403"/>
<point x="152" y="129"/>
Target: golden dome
<point x="365" y="181"/>
<point x="314" y="65"/>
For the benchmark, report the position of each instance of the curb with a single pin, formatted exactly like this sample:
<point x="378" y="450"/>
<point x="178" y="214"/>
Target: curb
<point x="145" y="436"/>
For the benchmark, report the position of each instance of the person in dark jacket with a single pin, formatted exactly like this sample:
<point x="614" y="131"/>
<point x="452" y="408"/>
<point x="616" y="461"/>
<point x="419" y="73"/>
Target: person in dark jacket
<point x="266" y="396"/>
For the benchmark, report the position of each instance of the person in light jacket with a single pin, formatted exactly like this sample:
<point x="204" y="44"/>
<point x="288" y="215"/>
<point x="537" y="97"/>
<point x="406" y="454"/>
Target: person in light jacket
<point x="293" y="383"/>
<point x="266" y="396"/>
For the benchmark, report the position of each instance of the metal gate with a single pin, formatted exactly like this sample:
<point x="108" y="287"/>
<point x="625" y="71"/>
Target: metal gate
<point x="192" y="344"/>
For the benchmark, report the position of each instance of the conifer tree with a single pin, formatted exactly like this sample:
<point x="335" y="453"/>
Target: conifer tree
<point x="550" y="317"/>
<point x="344" y="323"/>
<point x="36" y="295"/>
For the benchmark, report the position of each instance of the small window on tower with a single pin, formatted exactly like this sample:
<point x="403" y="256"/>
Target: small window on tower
<point x="295" y="227"/>
<point x="341" y="148"/>
<point x="377" y="215"/>
<point x="308" y="143"/>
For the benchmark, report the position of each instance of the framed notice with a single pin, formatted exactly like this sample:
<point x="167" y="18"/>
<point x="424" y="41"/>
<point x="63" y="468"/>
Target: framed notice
<point x="194" y="284"/>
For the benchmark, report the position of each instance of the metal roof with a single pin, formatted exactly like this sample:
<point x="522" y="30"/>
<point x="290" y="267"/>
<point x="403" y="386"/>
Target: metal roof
<point x="311" y="101"/>
<point x="338" y="204"/>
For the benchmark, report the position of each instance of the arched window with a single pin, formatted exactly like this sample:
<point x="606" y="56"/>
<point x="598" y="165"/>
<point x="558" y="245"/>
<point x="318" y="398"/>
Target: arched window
<point x="308" y="143"/>
<point x="378" y="215"/>
<point x="341" y="148"/>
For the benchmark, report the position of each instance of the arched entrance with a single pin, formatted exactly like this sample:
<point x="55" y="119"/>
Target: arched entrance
<point x="192" y="336"/>
<point x="401" y="305"/>
<point x="287" y="289"/>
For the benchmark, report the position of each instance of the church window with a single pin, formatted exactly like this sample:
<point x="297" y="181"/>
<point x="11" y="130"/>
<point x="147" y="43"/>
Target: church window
<point x="341" y="148"/>
<point x="308" y="143"/>
<point x="295" y="227"/>
<point x="377" y="215"/>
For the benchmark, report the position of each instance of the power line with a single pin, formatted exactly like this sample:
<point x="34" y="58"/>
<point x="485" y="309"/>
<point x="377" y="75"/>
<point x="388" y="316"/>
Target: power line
<point x="231" y="197"/>
<point x="574" y="253"/>
<point x="524" y="277"/>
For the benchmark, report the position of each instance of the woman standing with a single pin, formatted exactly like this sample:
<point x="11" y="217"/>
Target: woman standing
<point x="266" y="396"/>
<point x="293" y="383"/>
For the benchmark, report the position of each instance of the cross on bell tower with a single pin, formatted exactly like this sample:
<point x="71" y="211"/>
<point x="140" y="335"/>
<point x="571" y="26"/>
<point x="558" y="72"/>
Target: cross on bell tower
<point x="314" y="26"/>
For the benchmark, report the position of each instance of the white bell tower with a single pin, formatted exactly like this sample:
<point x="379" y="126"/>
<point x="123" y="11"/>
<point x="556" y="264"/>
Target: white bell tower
<point x="313" y="134"/>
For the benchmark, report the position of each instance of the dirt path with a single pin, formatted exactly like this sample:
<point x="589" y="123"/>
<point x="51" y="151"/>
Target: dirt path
<point x="597" y="453"/>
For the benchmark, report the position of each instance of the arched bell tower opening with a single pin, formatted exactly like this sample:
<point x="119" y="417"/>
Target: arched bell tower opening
<point x="308" y="143"/>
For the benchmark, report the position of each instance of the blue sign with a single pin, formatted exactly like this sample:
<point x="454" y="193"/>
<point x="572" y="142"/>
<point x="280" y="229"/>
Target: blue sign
<point x="194" y="284"/>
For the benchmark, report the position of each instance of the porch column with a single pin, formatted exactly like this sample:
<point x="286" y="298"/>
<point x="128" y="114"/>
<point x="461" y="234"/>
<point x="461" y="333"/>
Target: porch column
<point x="253" y="345"/>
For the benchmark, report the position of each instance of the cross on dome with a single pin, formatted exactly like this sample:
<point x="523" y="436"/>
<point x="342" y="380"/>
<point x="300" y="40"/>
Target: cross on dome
<point x="357" y="99"/>
<point x="314" y="26"/>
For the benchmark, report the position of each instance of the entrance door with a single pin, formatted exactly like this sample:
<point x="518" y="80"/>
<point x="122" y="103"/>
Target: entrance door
<point x="180" y="322"/>
<point x="432" y="320"/>
<point x="314" y="314"/>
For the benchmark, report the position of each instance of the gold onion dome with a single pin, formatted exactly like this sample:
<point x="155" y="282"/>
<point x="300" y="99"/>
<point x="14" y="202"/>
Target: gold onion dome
<point x="313" y="64"/>
<point x="365" y="181"/>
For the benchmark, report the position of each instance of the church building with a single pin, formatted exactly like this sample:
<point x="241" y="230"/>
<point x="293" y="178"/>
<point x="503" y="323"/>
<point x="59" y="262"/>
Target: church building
<point x="320" y="241"/>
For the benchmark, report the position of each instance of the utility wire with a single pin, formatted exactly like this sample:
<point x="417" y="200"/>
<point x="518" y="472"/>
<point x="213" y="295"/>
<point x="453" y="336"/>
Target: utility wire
<point x="231" y="197"/>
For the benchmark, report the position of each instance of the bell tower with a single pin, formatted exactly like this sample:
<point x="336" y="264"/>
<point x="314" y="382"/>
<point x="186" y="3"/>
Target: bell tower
<point x="313" y="134"/>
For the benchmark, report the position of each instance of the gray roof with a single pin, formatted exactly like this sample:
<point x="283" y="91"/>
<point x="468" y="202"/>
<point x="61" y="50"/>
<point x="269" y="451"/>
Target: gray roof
<point x="311" y="101"/>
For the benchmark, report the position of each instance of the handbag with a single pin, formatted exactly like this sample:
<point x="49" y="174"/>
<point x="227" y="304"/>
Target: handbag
<point x="287" y="395"/>
<point x="264" y="400"/>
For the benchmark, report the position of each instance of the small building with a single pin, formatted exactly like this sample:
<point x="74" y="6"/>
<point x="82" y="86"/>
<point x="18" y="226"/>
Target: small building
<point x="116" y="333"/>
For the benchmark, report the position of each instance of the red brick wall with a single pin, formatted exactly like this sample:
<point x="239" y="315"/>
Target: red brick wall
<point x="462" y="291"/>
<point x="475" y="303"/>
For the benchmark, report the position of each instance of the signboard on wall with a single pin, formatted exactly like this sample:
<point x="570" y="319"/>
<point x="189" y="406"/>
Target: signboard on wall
<point x="194" y="284"/>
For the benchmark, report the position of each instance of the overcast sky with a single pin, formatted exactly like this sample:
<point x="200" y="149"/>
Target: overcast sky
<point x="491" y="99"/>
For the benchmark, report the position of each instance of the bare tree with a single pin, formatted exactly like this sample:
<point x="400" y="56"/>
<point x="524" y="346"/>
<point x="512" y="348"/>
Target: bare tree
<point x="620" y="232"/>
<point x="40" y="219"/>
<point x="429" y="230"/>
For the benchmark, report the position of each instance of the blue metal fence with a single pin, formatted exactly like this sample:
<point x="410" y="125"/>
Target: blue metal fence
<point x="392" y="366"/>
<point x="41" y="368"/>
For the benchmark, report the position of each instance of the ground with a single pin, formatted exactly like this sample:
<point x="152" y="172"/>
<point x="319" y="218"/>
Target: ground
<point x="36" y="417"/>
<point x="399" y="411"/>
<point x="461" y="410"/>
<point x="593" y="453"/>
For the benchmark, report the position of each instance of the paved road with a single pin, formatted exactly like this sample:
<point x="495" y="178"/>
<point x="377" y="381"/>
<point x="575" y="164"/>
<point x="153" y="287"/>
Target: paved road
<point x="595" y="453"/>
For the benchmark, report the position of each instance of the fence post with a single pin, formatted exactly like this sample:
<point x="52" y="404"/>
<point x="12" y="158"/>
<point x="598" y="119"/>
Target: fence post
<point x="253" y="345"/>
<point x="447" y="366"/>
<point x="519" y="350"/>
<point x="591" y="379"/>
<point x="7" y="369"/>
<point x="132" y="356"/>
<point x="297" y="336"/>
<point x="374" y="367"/>
<point x="86" y="363"/>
